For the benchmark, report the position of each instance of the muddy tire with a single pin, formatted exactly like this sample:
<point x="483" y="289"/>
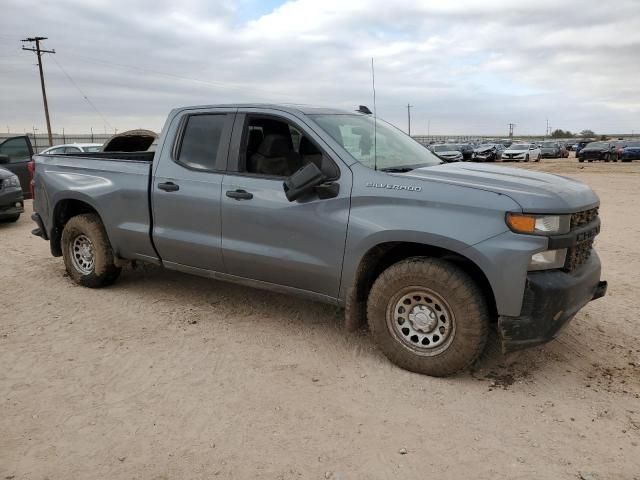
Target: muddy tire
<point x="88" y="256"/>
<point x="428" y="316"/>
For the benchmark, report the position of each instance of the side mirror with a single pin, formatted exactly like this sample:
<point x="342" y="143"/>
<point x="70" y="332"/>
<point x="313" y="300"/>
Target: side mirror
<point x="4" y="159"/>
<point x="302" y="181"/>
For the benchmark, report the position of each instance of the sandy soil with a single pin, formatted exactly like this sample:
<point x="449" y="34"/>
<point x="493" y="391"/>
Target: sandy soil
<point x="167" y="376"/>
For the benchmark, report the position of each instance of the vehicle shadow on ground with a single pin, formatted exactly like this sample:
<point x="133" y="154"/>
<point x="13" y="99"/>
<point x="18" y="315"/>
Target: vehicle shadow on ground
<point x="280" y="312"/>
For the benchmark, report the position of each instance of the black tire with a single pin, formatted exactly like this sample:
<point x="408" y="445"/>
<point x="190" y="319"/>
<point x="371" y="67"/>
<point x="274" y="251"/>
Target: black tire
<point x="11" y="219"/>
<point x="103" y="270"/>
<point x="607" y="158"/>
<point x="462" y="300"/>
<point x="580" y="160"/>
<point x="526" y="159"/>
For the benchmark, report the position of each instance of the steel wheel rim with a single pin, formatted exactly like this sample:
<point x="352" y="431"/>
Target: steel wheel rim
<point x="421" y="320"/>
<point x="82" y="254"/>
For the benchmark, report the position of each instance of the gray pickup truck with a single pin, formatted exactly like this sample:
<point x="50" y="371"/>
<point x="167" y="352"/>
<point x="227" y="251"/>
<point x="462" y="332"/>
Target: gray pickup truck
<point x="338" y="207"/>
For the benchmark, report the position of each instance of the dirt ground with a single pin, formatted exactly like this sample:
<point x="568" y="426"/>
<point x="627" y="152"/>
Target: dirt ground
<point x="167" y="376"/>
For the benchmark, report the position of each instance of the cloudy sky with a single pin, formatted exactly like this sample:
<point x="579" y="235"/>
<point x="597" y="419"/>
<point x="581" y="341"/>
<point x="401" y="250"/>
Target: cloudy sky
<point x="466" y="66"/>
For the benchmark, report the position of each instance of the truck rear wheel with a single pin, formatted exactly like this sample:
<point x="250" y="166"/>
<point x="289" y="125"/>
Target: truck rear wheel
<point x="87" y="253"/>
<point x="428" y="316"/>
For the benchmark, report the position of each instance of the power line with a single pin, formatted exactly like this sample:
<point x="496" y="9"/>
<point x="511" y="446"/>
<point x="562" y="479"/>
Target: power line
<point x="39" y="53"/>
<point x="84" y="95"/>
<point x="213" y="83"/>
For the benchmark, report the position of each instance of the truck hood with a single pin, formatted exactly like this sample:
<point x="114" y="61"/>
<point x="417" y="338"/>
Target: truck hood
<point x="535" y="192"/>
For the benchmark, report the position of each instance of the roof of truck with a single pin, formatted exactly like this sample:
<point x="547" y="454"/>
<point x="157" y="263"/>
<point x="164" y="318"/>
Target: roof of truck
<point x="286" y="107"/>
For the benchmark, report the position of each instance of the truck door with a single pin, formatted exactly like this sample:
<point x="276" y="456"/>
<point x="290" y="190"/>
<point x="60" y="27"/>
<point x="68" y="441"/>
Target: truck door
<point x="265" y="237"/>
<point x="186" y="189"/>
<point x="18" y="153"/>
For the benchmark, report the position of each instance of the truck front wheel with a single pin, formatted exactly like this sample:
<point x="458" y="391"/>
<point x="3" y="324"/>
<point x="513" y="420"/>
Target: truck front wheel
<point x="87" y="253"/>
<point x="428" y="316"/>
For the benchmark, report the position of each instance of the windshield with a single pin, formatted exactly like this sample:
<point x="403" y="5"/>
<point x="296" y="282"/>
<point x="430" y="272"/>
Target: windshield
<point x="633" y="144"/>
<point x="91" y="149"/>
<point x="393" y="148"/>
<point x="598" y="145"/>
<point x="519" y="146"/>
<point x="549" y="144"/>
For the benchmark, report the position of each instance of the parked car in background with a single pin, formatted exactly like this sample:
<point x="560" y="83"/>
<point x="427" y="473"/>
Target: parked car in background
<point x="619" y="147"/>
<point x="599" y="151"/>
<point x="15" y="156"/>
<point x="72" y="148"/>
<point x="11" y="198"/>
<point x="631" y="151"/>
<point x="580" y="145"/>
<point x="466" y="149"/>
<point x="550" y="149"/>
<point x="491" y="152"/>
<point x="522" y="152"/>
<point x="447" y="152"/>
<point x="564" y="151"/>
<point x="132" y="141"/>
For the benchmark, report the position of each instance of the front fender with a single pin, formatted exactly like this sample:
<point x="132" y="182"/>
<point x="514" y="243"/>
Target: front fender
<point x="440" y="215"/>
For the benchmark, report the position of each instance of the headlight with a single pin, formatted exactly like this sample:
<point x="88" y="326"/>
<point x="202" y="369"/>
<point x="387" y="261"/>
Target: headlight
<point x="539" y="224"/>
<point x="12" y="181"/>
<point x="548" y="259"/>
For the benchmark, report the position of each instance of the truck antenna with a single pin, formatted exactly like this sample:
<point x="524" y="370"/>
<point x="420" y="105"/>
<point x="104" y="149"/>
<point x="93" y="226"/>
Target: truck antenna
<point x="375" y="120"/>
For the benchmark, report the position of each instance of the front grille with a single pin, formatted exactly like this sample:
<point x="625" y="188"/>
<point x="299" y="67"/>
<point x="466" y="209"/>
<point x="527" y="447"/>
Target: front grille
<point x="582" y="218"/>
<point x="580" y="253"/>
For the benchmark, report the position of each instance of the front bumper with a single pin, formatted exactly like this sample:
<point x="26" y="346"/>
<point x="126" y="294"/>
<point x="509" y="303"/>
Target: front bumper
<point x="551" y="300"/>
<point x="11" y="202"/>
<point x="593" y="155"/>
<point x="484" y="157"/>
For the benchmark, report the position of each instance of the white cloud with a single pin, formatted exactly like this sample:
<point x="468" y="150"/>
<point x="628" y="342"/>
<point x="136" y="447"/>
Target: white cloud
<point x="467" y="66"/>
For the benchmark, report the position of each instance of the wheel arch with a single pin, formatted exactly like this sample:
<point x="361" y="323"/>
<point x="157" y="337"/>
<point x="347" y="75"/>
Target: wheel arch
<point x="63" y="211"/>
<point x="381" y="256"/>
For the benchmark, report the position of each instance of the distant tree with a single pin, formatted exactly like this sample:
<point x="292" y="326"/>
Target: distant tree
<point x="559" y="133"/>
<point x="587" y="133"/>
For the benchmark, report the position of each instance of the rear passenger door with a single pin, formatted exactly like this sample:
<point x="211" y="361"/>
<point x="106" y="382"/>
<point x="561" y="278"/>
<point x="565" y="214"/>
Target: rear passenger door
<point x="19" y="151"/>
<point x="186" y="189"/>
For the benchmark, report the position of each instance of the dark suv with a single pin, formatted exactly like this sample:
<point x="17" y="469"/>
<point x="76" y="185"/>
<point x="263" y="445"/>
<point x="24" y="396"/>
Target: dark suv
<point x="15" y="155"/>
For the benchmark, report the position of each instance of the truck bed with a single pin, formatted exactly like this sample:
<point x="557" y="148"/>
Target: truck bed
<point x="115" y="156"/>
<point x="111" y="183"/>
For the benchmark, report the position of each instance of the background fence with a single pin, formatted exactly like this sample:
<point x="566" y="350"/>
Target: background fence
<point x="40" y="141"/>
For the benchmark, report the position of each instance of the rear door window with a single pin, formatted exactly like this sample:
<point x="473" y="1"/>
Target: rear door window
<point x="201" y="142"/>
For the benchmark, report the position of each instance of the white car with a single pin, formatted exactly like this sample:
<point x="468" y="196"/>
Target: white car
<point x="519" y="152"/>
<point x="72" y="148"/>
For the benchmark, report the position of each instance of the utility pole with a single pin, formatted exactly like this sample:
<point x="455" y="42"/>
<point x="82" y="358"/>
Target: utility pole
<point x="409" y="117"/>
<point x="39" y="53"/>
<point x="511" y="125"/>
<point x="546" y="132"/>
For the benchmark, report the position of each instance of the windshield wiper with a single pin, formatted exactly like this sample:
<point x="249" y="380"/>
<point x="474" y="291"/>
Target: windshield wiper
<point x="397" y="169"/>
<point x="407" y="168"/>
